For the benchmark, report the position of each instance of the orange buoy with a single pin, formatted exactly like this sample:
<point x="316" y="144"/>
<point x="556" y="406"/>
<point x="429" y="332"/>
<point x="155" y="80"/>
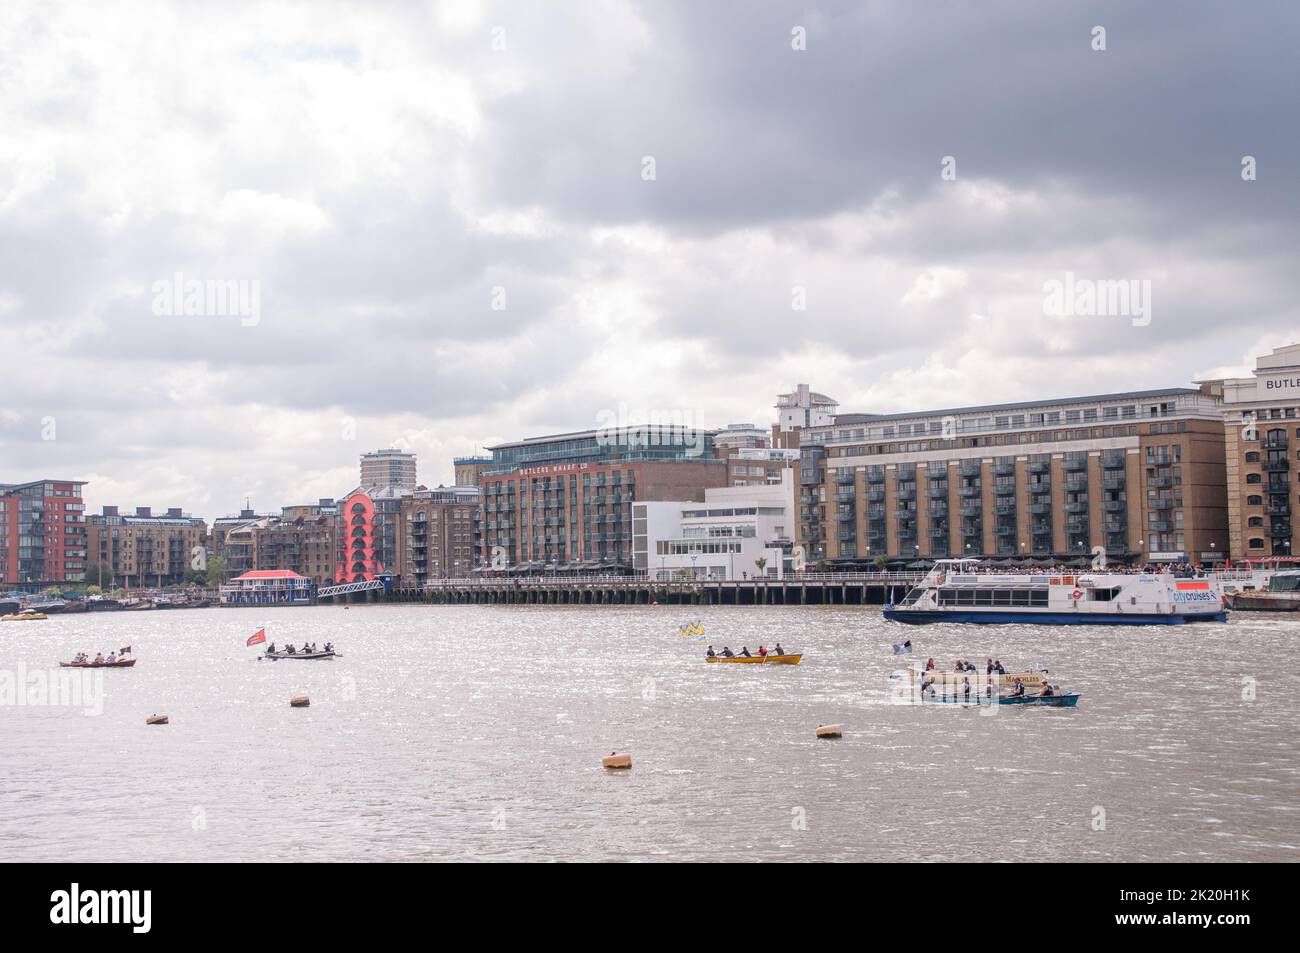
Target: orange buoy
<point x="299" y="701"/>
<point x="616" y="760"/>
<point x="830" y="731"/>
<point x="156" y="720"/>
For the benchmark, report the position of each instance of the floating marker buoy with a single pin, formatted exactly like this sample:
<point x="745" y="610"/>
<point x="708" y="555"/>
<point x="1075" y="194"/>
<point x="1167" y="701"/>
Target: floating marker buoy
<point x="156" y="720"/>
<point x="830" y="731"/>
<point x="299" y="701"/>
<point x="615" y="760"/>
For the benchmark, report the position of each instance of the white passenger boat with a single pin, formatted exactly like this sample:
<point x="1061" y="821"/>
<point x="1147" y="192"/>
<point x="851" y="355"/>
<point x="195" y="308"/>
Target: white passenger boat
<point x="956" y="591"/>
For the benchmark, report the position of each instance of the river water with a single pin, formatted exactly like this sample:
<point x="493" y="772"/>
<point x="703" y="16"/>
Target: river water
<point x="476" y="732"/>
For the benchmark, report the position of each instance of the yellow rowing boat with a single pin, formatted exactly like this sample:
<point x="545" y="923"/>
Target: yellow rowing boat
<point x="756" y="659"/>
<point x="24" y="616"/>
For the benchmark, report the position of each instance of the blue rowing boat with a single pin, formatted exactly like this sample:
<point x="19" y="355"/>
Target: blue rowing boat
<point x="1064" y="700"/>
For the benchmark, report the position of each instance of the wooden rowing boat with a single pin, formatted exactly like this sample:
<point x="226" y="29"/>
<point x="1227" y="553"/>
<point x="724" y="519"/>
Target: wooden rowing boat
<point x="757" y="659"/>
<point x="1064" y="700"/>
<point x="302" y="656"/>
<point x="120" y="663"/>
<point x="24" y="616"/>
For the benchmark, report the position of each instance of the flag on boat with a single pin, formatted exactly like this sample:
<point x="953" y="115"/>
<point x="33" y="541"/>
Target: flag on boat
<point x="125" y="651"/>
<point x="256" y="638"/>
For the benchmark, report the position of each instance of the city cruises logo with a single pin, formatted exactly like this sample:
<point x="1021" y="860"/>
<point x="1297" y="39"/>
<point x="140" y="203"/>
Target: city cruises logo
<point x="626" y="428"/>
<point x="49" y="688"/>
<point x="96" y="907"/>
<point x="1090" y="298"/>
<point x="178" y="297"/>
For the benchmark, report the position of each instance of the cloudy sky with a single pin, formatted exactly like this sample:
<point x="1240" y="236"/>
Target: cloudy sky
<point x="473" y="221"/>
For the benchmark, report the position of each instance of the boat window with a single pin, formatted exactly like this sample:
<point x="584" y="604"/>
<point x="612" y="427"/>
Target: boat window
<point x="1102" y="595"/>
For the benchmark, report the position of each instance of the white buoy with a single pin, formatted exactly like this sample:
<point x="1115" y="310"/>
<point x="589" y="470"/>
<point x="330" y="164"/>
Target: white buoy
<point x="299" y="701"/>
<point x="830" y="731"/>
<point x="616" y="760"/>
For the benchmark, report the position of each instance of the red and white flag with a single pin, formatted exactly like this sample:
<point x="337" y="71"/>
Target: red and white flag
<point x="256" y="638"/>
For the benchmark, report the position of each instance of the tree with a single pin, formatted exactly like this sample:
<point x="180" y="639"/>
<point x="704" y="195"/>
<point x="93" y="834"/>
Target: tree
<point x="218" y="569"/>
<point x="93" y="590"/>
<point x="761" y="563"/>
<point x="880" y="562"/>
<point x="100" y="572"/>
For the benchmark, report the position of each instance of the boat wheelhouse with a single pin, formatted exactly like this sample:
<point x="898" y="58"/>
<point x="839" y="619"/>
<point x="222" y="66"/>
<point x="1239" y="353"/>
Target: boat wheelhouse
<point x="955" y="590"/>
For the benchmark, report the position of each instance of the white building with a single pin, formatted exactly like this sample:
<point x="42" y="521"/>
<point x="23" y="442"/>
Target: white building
<point x="724" y="537"/>
<point x="736" y="436"/>
<point x="803" y="408"/>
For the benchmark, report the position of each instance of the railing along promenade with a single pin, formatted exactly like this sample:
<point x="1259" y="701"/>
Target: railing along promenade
<point x="813" y="588"/>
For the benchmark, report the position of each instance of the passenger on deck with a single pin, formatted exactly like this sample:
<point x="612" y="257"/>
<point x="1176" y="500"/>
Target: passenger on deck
<point x="988" y="670"/>
<point x="997" y="665"/>
<point x="710" y="653"/>
<point x="271" y="650"/>
<point x="1019" y="690"/>
<point x="966" y="688"/>
<point x="112" y="657"/>
<point x="1047" y="690"/>
<point x="929" y="665"/>
<point x="727" y="653"/>
<point x="99" y="658"/>
<point x="762" y="652"/>
<point x="744" y="650"/>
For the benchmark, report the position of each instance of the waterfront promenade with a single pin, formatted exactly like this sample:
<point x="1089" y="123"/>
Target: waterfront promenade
<point x="865" y="588"/>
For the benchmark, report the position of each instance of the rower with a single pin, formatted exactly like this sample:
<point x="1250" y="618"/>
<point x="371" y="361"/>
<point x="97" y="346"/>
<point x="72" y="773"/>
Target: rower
<point x="727" y="653"/>
<point x="744" y="650"/>
<point x="112" y="657"/>
<point x="761" y="651"/>
<point x="710" y="653"/>
<point x="778" y="650"/>
<point x="1047" y="690"/>
<point x="271" y="650"/>
<point x="1019" y="690"/>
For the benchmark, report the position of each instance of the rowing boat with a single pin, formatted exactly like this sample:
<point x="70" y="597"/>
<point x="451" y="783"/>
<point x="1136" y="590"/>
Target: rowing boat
<point x="24" y="616"/>
<point x="756" y="659"/>
<point x="1064" y="700"/>
<point x="302" y="656"/>
<point x="121" y="663"/>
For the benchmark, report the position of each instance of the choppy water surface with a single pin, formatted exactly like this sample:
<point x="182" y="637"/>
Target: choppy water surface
<point x="476" y="732"/>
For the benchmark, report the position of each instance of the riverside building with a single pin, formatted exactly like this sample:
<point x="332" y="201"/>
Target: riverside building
<point x="144" y="548"/>
<point x="564" y="502"/>
<point x="1262" y="434"/>
<point x="1138" y="476"/>
<point x="42" y="533"/>
<point x="438" y="534"/>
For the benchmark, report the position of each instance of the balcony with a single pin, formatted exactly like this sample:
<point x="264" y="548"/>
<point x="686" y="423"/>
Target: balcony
<point x="1115" y="462"/>
<point x="1115" y="526"/>
<point x="845" y="534"/>
<point x="1161" y="526"/>
<point x="937" y="511"/>
<point x="1005" y="509"/>
<point x="1038" y="468"/>
<point x="908" y="493"/>
<point x="1160" y="504"/>
<point x="969" y="489"/>
<point x="1114" y="506"/>
<point x="1280" y="531"/>
<point x="937" y="491"/>
<point x="1278" y="509"/>
<point x="1075" y="464"/>
<point x="875" y="496"/>
<point x="1005" y="530"/>
<point x="1004" y="489"/>
<point x="1160" y="482"/>
<point x="972" y="531"/>
<point x="971" y="468"/>
<point x="845" y="477"/>
<point x="1277" y="466"/>
<point x="904" y="514"/>
<point x="938" y="532"/>
<point x="971" y="509"/>
<point x="1113" y="483"/>
<point x="844" y="517"/>
<point x="1040" y="509"/>
<point x="1078" y="506"/>
<point x="1275" y="442"/>
<point x="845" y="496"/>
<point x="1004" y="469"/>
